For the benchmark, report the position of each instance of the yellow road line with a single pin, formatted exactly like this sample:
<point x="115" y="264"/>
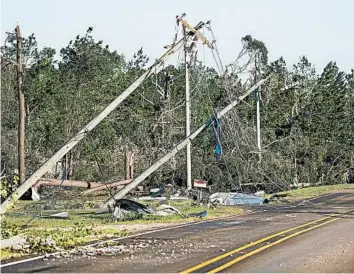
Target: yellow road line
<point x="218" y="269"/>
<point x="215" y="259"/>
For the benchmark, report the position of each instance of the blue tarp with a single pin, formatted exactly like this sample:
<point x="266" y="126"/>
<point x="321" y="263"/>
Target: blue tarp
<point x="217" y="132"/>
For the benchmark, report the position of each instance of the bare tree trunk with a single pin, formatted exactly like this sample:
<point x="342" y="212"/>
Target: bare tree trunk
<point x="71" y="163"/>
<point x="21" y="109"/>
<point x="65" y="167"/>
<point x="127" y="161"/>
<point x="69" y="183"/>
<point x="129" y="165"/>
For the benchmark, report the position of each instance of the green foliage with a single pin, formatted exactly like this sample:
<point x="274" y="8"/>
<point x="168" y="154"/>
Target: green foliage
<point x="307" y="120"/>
<point x="8" y="230"/>
<point x="256" y="46"/>
<point x="3" y="188"/>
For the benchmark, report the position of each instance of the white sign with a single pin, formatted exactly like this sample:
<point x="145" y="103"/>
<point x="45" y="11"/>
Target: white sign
<point x="200" y="184"/>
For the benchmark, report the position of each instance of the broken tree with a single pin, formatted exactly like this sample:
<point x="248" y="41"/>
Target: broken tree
<point x="120" y="194"/>
<point x="70" y="183"/>
<point x="93" y="123"/>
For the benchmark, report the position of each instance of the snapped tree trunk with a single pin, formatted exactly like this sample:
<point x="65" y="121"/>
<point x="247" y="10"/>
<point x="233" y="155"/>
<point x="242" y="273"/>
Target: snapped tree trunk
<point x="129" y="165"/>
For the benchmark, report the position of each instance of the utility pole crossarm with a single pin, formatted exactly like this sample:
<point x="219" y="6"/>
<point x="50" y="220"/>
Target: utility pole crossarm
<point x="91" y="125"/>
<point x="120" y="194"/>
<point x="196" y="32"/>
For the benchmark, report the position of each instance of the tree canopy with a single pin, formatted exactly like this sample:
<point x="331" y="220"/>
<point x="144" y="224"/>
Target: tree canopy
<point x="307" y="119"/>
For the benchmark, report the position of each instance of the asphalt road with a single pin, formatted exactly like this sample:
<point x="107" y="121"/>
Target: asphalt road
<point x="313" y="236"/>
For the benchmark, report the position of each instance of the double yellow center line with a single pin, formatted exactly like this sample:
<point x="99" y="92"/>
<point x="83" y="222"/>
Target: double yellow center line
<point x="307" y="227"/>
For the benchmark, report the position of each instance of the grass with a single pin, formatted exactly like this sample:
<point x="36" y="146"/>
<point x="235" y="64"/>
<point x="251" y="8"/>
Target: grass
<point x="311" y="192"/>
<point x="22" y="216"/>
<point x="10" y="254"/>
<point x="85" y="226"/>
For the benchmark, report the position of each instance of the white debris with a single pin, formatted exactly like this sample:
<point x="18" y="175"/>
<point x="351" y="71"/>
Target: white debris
<point x="35" y="196"/>
<point x="16" y="242"/>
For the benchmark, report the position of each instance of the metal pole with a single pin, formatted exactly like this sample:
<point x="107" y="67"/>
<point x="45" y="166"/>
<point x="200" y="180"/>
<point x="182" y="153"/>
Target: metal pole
<point x="90" y="126"/>
<point x="121" y="193"/>
<point x="188" y="125"/>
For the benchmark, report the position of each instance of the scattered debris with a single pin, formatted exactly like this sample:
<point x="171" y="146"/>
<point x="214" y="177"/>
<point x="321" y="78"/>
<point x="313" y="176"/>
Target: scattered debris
<point x="163" y="210"/>
<point x="236" y="198"/>
<point x="125" y="206"/>
<point x="199" y="214"/>
<point x="156" y="192"/>
<point x="260" y="193"/>
<point x="60" y="215"/>
<point x="164" y="193"/>
<point x="13" y="242"/>
<point x="34" y="196"/>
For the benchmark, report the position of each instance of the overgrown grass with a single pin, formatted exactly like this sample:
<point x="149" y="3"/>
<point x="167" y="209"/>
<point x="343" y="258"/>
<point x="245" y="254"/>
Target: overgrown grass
<point x="311" y="192"/>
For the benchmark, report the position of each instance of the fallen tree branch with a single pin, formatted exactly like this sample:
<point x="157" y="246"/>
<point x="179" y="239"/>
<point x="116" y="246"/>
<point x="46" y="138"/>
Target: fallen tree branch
<point x="71" y="183"/>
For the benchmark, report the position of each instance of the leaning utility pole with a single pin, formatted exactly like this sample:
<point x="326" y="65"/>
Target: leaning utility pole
<point x="135" y="182"/>
<point x="94" y="122"/>
<point x="21" y="109"/>
<point x="188" y="125"/>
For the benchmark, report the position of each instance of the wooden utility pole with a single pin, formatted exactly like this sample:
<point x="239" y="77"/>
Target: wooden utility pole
<point x="92" y="124"/>
<point x="258" y="114"/>
<point x="188" y="125"/>
<point x="201" y="37"/>
<point x="136" y="181"/>
<point x="258" y="92"/>
<point x="21" y="109"/>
